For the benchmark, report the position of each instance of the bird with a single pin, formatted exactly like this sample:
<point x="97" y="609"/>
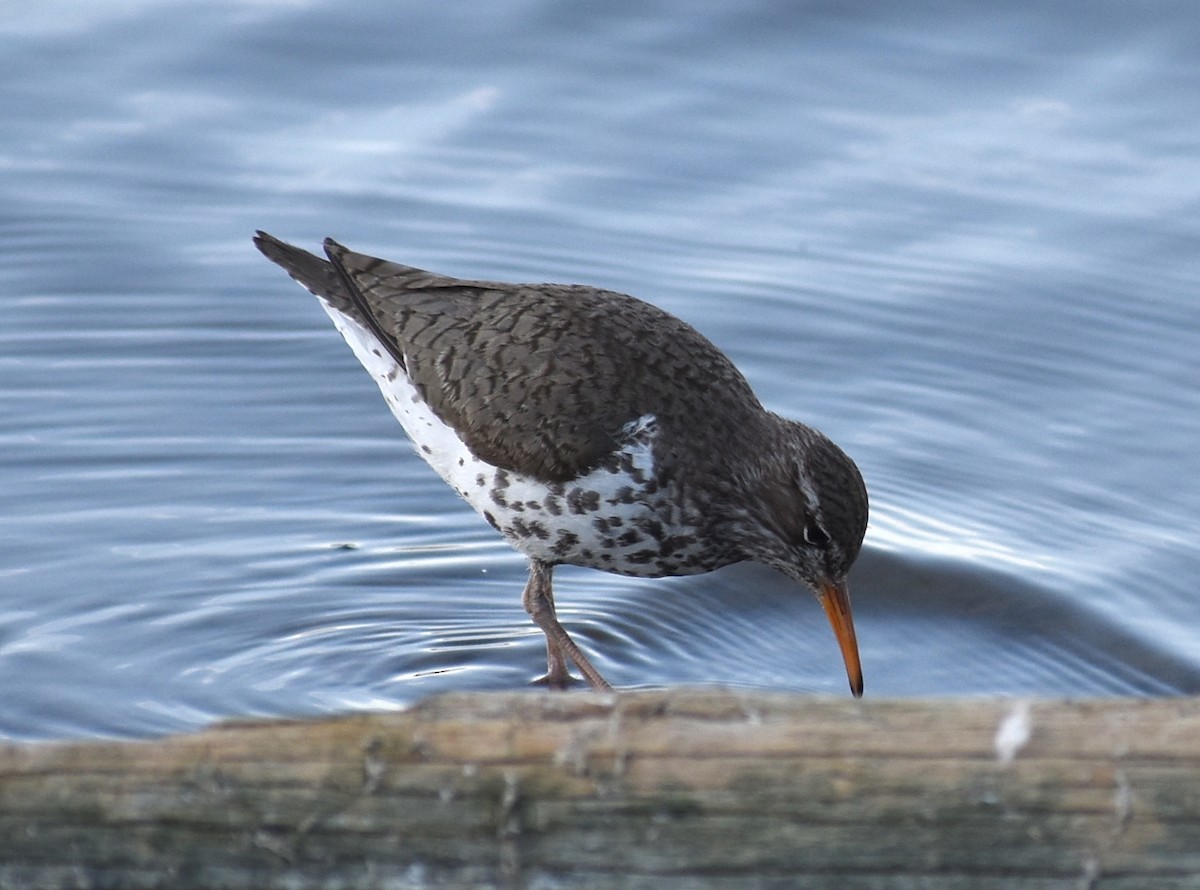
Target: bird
<point x="592" y="428"/>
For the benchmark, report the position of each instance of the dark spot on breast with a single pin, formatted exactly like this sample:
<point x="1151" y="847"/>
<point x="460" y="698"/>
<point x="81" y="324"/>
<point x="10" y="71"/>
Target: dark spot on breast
<point x="653" y="528"/>
<point x="491" y="520"/>
<point x="675" y="544"/>
<point x="635" y="473"/>
<point x="624" y="495"/>
<point x="517" y="529"/>
<point x="678" y="543"/>
<point x="427" y="449"/>
<point x="582" y="500"/>
<point x="566" y="540"/>
<point x="629" y="538"/>
<point x="641" y="557"/>
<point x="553" y="507"/>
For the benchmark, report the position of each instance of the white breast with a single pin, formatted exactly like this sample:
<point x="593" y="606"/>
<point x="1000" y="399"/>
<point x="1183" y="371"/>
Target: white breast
<point x="603" y="519"/>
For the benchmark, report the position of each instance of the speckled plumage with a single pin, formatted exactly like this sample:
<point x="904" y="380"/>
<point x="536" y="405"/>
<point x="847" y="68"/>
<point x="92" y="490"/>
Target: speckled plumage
<point x="592" y="428"/>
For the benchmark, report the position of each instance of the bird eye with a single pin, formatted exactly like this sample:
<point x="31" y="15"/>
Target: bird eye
<point x="815" y="535"/>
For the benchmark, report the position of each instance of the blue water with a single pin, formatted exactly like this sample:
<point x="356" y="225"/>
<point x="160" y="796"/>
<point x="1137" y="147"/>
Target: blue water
<point x="961" y="241"/>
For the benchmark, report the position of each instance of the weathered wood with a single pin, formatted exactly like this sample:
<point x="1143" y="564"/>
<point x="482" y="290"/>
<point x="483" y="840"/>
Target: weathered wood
<point x="695" y="788"/>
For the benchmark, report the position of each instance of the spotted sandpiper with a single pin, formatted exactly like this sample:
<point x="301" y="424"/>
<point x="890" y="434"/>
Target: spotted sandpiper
<point x="591" y="428"/>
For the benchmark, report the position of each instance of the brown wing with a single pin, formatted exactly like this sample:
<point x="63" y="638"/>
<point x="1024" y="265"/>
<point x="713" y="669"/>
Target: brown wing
<point x="539" y="379"/>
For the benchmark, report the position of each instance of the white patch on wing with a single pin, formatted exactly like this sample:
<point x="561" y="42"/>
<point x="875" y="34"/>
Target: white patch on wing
<point x="639" y="436"/>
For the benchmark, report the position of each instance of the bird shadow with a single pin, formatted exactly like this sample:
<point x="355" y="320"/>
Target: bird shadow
<point x="926" y="626"/>
<point x="1023" y="608"/>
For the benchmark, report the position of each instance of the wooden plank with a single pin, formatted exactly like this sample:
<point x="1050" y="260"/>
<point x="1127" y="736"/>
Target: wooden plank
<point x="701" y="788"/>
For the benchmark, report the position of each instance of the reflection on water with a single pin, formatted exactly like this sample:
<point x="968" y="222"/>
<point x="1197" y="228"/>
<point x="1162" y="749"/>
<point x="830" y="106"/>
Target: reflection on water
<point x="965" y="254"/>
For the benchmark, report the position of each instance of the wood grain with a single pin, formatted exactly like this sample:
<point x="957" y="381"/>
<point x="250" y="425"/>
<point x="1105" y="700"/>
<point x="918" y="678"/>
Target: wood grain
<point x="703" y="788"/>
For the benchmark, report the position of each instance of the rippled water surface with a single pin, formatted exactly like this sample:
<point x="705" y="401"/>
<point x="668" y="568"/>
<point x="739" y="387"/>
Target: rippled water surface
<point x="961" y="242"/>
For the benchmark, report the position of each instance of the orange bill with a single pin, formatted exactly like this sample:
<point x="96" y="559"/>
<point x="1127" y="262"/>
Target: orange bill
<point x="835" y="597"/>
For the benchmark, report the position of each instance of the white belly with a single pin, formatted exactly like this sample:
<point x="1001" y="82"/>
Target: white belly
<point x="599" y="520"/>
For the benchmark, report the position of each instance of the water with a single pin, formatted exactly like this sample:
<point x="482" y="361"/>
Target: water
<point x="963" y="242"/>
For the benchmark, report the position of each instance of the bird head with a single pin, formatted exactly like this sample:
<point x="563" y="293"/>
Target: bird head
<point x="816" y="506"/>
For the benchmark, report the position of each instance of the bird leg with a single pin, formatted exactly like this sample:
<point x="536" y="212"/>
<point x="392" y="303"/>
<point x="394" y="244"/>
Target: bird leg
<point x="558" y="672"/>
<point x="538" y="600"/>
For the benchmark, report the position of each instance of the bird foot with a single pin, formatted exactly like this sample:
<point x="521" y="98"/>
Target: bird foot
<point x="538" y="600"/>
<point x="561" y="681"/>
